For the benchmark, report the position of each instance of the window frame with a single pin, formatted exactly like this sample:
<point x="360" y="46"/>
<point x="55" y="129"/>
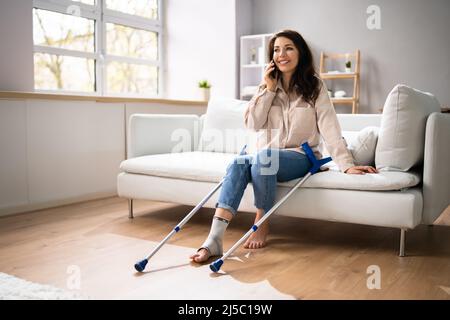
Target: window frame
<point x="101" y="15"/>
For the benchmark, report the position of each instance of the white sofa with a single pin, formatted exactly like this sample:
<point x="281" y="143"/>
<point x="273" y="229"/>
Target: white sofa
<point x="176" y="158"/>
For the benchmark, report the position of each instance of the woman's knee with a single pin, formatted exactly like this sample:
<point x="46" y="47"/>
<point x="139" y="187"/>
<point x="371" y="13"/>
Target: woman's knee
<point x="242" y="160"/>
<point x="266" y="162"/>
<point x="240" y="163"/>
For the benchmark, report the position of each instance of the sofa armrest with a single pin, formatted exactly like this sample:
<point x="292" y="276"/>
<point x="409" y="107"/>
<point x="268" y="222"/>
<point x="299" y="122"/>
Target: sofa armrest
<point x="161" y="133"/>
<point x="436" y="169"/>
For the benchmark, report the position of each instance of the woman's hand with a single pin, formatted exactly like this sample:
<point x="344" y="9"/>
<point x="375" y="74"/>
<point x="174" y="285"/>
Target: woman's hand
<point x="271" y="83"/>
<point x="361" y="170"/>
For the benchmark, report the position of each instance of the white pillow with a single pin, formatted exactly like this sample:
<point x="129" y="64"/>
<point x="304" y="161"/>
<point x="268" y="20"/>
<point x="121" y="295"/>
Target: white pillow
<point x="362" y="146"/>
<point x="402" y="133"/>
<point x="223" y="127"/>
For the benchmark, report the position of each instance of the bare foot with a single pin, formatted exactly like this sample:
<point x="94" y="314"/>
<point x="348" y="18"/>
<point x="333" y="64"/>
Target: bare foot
<point x="200" y="256"/>
<point x="257" y="239"/>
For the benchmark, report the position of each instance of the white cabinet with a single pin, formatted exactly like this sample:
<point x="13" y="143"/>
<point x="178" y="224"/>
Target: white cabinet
<point x="54" y="152"/>
<point x="13" y="153"/>
<point x="252" y="63"/>
<point x="57" y="151"/>
<point x="74" y="149"/>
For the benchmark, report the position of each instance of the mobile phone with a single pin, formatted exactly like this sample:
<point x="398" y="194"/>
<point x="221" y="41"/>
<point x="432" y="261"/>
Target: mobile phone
<point x="274" y="73"/>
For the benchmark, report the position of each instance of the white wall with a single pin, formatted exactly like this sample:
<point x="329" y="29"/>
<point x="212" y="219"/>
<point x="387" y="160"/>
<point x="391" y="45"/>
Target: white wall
<point x="412" y="47"/>
<point x="200" y="44"/>
<point x="244" y="25"/>
<point x="16" y="45"/>
<point x="202" y="37"/>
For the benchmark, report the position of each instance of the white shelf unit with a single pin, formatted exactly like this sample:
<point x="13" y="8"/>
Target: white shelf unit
<point x="252" y="64"/>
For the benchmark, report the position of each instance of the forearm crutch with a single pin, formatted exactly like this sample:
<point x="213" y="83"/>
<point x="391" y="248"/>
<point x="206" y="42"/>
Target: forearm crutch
<point x="316" y="164"/>
<point x="140" y="265"/>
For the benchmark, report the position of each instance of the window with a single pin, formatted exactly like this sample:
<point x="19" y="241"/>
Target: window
<point x="104" y="47"/>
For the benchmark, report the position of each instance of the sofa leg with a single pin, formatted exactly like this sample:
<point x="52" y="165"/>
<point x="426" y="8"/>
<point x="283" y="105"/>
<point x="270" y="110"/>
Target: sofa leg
<point x="130" y="209"/>
<point x="402" y="242"/>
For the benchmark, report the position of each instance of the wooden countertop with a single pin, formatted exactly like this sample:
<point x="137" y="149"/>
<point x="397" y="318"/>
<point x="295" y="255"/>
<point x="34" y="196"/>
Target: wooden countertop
<point x="55" y="96"/>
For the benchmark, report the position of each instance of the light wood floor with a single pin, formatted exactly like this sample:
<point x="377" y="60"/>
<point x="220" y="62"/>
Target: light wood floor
<point x="305" y="259"/>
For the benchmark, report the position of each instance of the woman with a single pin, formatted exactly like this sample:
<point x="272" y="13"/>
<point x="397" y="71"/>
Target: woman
<point x="291" y="106"/>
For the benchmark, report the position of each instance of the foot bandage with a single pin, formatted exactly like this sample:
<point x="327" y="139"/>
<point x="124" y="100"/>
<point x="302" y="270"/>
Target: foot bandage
<point x="214" y="241"/>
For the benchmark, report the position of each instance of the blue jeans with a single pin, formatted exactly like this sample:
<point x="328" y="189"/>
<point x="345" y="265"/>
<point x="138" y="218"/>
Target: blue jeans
<point x="264" y="170"/>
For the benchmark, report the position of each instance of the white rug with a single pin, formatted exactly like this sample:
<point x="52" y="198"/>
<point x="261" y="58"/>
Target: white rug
<point x="13" y="288"/>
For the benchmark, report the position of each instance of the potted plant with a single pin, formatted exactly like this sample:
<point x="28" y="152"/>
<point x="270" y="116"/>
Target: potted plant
<point x="348" y="66"/>
<point x="205" y="87"/>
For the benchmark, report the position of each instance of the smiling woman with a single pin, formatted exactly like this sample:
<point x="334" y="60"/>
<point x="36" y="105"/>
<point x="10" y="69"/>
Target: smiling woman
<point x="292" y="55"/>
<point x="290" y="108"/>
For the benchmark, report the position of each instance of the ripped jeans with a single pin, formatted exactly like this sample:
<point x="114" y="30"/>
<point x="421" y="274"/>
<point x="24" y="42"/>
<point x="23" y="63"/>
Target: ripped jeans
<point x="263" y="170"/>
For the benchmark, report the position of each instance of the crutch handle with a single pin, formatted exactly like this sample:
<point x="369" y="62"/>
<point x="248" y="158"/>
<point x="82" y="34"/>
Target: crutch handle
<point x="316" y="164"/>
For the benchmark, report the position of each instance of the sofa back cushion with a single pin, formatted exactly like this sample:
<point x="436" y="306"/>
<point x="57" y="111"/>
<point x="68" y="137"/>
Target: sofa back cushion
<point x="223" y="126"/>
<point x="402" y="133"/>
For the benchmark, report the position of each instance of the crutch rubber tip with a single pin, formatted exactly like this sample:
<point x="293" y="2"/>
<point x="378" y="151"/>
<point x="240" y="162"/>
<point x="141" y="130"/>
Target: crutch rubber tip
<point x="140" y="266"/>
<point x="215" y="266"/>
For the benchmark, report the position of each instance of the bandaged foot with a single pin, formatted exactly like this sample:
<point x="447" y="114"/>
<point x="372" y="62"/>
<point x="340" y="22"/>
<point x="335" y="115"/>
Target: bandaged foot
<point x="213" y="243"/>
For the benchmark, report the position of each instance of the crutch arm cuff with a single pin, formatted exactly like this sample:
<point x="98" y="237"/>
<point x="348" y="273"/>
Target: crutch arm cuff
<point x="316" y="164"/>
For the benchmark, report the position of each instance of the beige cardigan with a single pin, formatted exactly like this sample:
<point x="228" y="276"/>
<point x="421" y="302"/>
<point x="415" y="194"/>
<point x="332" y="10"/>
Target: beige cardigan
<point x="286" y="122"/>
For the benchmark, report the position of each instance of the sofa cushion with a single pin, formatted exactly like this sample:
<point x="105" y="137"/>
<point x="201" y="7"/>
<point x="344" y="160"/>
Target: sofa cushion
<point x="402" y="133"/>
<point x="197" y="165"/>
<point x="223" y="127"/>
<point x="211" y="167"/>
<point x="362" y="145"/>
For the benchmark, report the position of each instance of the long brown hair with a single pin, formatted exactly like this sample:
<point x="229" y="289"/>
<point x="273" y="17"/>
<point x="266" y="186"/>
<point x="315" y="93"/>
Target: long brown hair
<point x="304" y="79"/>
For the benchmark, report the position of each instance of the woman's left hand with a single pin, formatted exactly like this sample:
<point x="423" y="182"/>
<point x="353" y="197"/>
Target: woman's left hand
<point x="361" y="170"/>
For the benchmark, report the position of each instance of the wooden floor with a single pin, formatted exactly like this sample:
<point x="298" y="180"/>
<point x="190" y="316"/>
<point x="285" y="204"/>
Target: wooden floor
<point x="305" y="259"/>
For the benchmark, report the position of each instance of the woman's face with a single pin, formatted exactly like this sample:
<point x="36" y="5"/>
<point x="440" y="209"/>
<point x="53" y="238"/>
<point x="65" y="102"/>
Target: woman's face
<point x="285" y="54"/>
